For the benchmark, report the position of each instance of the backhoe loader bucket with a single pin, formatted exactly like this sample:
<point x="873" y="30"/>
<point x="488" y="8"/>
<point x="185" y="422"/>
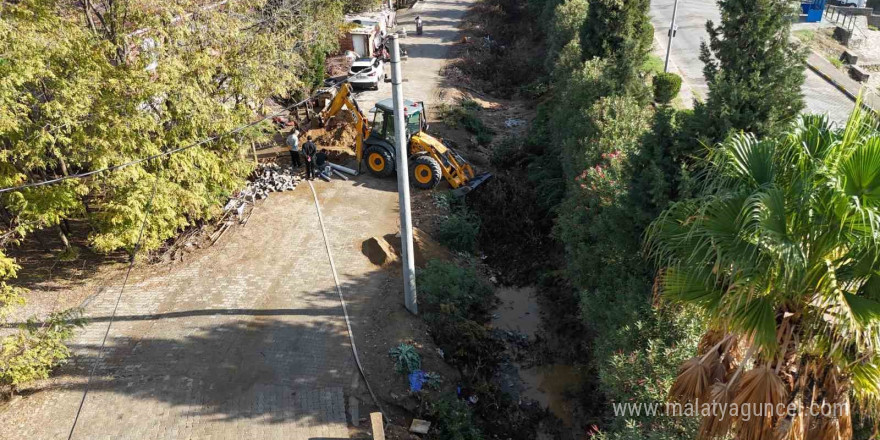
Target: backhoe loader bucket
<point x="472" y="184"/>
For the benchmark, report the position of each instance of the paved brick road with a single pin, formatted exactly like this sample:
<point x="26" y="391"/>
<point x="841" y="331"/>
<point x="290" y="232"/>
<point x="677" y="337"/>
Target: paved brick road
<point x="247" y="341"/>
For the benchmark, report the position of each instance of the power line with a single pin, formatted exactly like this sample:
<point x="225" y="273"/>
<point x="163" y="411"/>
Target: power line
<point x="170" y="152"/>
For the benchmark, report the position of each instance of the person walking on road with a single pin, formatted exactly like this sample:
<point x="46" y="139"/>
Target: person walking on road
<point x="293" y="143"/>
<point x="418" y="25"/>
<point x="309" y="151"/>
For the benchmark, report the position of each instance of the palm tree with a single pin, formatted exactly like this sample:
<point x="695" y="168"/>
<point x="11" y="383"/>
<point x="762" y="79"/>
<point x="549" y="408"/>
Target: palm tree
<point x="780" y="257"/>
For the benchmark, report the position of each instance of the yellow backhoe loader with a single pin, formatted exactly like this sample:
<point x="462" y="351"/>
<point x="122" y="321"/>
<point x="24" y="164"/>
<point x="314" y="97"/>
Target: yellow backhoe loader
<point x="429" y="158"/>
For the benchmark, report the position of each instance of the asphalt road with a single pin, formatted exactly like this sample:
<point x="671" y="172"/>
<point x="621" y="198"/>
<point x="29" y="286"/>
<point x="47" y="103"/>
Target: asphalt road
<point x="820" y="96"/>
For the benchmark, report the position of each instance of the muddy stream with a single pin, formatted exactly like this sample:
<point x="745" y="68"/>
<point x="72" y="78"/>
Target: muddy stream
<point x="547" y="384"/>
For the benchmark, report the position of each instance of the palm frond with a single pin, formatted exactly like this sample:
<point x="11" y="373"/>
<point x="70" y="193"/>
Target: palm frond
<point x="692" y="382"/>
<point x="761" y="388"/>
<point x="756" y="318"/>
<point x="680" y="284"/>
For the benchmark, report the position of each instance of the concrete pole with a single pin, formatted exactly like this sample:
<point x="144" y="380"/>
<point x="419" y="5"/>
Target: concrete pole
<point x="671" y="37"/>
<point x="406" y="233"/>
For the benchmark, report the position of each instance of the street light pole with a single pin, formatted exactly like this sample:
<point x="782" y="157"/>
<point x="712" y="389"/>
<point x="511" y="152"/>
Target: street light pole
<point x="406" y="232"/>
<point x="671" y="36"/>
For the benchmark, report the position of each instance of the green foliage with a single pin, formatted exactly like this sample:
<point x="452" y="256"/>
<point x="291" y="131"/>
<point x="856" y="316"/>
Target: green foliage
<point x="753" y="67"/>
<point x="455" y="303"/>
<point x="653" y="65"/>
<point x="36" y="349"/>
<point x="836" y="62"/>
<point x="466" y="115"/>
<point x="81" y="92"/>
<point x="621" y="32"/>
<point x="793" y="217"/>
<point x="453" y="420"/>
<point x="459" y="230"/>
<point x="446" y="287"/>
<point x="666" y="87"/>
<point x="568" y="18"/>
<point x="406" y="358"/>
<point x="642" y="360"/>
<point x="77" y="98"/>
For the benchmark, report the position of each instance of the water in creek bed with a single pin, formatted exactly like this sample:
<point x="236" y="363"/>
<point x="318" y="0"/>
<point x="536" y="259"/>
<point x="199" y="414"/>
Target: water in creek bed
<point x="546" y="384"/>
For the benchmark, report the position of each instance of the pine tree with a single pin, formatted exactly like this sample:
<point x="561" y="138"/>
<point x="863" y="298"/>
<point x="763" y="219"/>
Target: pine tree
<point x="753" y="67"/>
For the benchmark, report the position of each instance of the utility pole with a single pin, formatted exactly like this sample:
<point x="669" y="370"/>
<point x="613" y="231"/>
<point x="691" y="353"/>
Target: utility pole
<point x="672" y="31"/>
<point x="406" y="233"/>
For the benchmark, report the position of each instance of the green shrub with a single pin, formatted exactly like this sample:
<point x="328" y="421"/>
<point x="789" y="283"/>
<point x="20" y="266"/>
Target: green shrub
<point x="459" y="231"/>
<point x="455" y="302"/>
<point x="406" y="358"/>
<point x="466" y="344"/>
<point x="653" y="65"/>
<point x="666" y="87"/>
<point x="836" y="62"/>
<point x="449" y="288"/>
<point x="453" y="421"/>
<point x="465" y="115"/>
<point x="36" y="349"/>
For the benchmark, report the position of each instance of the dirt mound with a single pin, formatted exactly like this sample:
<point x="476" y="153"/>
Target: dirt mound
<point x="426" y="248"/>
<point x="386" y="250"/>
<point x="379" y="251"/>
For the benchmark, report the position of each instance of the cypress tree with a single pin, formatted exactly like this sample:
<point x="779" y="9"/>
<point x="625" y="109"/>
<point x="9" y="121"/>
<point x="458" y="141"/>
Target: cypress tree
<point x="622" y="32"/>
<point x="753" y="67"/>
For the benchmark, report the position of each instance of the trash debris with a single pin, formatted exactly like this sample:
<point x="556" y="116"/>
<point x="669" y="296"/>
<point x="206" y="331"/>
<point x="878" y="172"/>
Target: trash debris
<point x="417" y="380"/>
<point x="420" y="426"/>
<point x="513" y="122"/>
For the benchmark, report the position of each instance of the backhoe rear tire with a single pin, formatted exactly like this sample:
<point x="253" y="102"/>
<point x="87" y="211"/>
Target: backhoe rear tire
<point x="379" y="161"/>
<point x="425" y="172"/>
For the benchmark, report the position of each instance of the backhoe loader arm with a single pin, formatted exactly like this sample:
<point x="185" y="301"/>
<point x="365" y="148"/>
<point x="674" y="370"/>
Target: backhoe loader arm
<point x="342" y="99"/>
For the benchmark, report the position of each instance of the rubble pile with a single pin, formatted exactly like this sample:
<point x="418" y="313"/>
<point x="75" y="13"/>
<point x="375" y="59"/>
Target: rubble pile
<point x="269" y="178"/>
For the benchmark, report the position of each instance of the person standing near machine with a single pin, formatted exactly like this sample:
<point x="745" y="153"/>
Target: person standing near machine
<point x="293" y="143"/>
<point x="309" y="151"/>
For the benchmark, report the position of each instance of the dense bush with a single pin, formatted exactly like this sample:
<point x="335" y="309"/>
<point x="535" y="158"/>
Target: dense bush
<point x="456" y="303"/>
<point x="445" y="287"/>
<point x="35" y="350"/>
<point x="452" y="421"/>
<point x="459" y="230"/>
<point x="666" y="87"/>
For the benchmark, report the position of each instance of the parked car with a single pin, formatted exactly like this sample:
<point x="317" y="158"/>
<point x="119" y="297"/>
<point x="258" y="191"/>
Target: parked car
<point x="367" y="72"/>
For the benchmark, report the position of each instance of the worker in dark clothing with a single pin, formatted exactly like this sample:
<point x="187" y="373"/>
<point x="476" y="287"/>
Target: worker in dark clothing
<point x="309" y="151"/>
<point x="321" y="164"/>
<point x="321" y="159"/>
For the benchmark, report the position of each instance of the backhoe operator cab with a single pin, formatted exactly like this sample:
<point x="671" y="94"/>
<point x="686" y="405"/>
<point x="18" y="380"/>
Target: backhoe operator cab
<point x="430" y="160"/>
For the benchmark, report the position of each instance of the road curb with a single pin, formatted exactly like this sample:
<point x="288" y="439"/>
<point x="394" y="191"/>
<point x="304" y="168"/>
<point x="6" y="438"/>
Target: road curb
<point x="831" y="81"/>
<point x="843" y="89"/>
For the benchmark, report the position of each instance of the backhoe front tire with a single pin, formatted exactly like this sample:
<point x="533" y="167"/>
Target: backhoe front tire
<point x="379" y="161"/>
<point x="425" y="172"/>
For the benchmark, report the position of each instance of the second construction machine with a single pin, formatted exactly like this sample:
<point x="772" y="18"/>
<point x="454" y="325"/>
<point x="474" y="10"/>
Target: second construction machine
<point x="430" y="160"/>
